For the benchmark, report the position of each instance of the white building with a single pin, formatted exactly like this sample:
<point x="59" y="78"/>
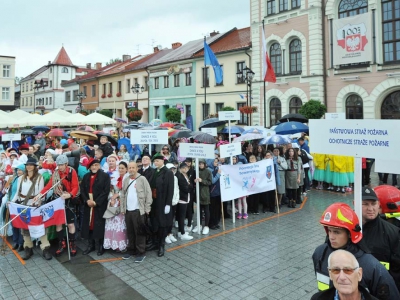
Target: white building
<point x="7" y="82"/>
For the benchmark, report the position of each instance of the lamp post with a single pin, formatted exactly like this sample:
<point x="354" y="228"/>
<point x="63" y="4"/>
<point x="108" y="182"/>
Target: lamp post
<point x="80" y="96"/>
<point x="137" y="89"/>
<point x="246" y="76"/>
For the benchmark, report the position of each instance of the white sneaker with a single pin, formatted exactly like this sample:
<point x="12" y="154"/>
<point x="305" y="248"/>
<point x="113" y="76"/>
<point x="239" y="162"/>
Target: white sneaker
<point x="206" y="230"/>
<point x="172" y="238"/>
<point x="179" y="234"/>
<point x="196" y="229"/>
<point x="176" y="224"/>
<point x="186" y="221"/>
<point x="167" y="240"/>
<point x="186" y="237"/>
<point x="188" y="228"/>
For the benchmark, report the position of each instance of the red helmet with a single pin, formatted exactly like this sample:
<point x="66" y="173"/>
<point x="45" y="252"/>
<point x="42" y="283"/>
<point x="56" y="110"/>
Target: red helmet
<point x="389" y="198"/>
<point x="341" y="215"/>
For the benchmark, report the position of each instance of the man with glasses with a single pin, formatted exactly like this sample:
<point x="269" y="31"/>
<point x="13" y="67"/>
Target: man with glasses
<point x="344" y="232"/>
<point x="345" y="273"/>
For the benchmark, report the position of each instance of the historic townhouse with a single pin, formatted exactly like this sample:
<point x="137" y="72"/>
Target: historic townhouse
<point x="7" y="82"/>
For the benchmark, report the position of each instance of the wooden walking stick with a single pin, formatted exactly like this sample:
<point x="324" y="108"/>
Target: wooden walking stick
<point x="91" y="209"/>
<point x="223" y="218"/>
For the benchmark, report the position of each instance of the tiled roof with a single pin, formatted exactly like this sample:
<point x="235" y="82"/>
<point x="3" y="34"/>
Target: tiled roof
<point x="146" y="61"/>
<point x="96" y="72"/>
<point x="33" y="75"/>
<point x="120" y="66"/>
<point x="235" y="40"/>
<point x="62" y="58"/>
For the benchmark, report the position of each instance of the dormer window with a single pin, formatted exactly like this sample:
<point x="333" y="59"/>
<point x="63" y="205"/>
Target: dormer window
<point x="64" y="70"/>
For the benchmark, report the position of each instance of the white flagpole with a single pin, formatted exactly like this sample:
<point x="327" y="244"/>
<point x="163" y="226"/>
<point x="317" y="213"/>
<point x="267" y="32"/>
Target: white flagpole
<point x="233" y="200"/>
<point x="198" y="198"/>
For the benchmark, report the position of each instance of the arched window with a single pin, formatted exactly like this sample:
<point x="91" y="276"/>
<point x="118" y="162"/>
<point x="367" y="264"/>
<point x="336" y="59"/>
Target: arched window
<point x="390" y="108"/>
<point x="390" y="30"/>
<point x="275" y="111"/>
<point x="294" y="105"/>
<point x="64" y="70"/>
<point x="354" y="107"/>
<point x="276" y="58"/>
<point x="348" y="8"/>
<point x="295" y="57"/>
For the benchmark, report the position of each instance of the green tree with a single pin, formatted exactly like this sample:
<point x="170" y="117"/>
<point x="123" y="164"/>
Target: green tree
<point x="313" y="109"/>
<point x="18" y="79"/>
<point x="106" y="112"/>
<point x="113" y="60"/>
<point x="227" y="108"/>
<point x="173" y="114"/>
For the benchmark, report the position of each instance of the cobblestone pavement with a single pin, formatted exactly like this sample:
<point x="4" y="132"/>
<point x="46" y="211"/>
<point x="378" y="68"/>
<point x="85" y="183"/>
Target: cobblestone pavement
<point x="267" y="256"/>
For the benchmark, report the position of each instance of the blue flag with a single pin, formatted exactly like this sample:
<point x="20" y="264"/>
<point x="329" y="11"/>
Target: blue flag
<point x="211" y="60"/>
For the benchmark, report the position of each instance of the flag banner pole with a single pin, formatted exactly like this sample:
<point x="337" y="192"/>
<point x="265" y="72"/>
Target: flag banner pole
<point x="277" y="202"/>
<point x="233" y="200"/>
<point x="66" y="232"/>
<point x="223" y="216"/>
<point x="198" y="198"/>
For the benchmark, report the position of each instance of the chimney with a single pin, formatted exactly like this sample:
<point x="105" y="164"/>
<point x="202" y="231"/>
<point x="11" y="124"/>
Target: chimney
<point x="214" y="33"/>
<point x="176" y="45"/>
<point x="126" y="57"/>
<point x="88" y="66"/>
<point x="49" y="63"/>
<point x="98" y="66"/>
<point x="156" y="49"/>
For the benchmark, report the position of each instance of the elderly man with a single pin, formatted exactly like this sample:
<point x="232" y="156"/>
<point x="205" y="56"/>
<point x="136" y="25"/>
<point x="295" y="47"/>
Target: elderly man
<point x="136" y="202"/>
<point x="345" y="273"/>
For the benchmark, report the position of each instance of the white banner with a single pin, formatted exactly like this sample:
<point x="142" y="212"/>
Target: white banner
<point x="230" y="149"/>
<point x="243" y="180"/>
<point x="233" y="115"/>
<point x="11" y="137"/>
<point x="352" y="42"/>
<point x="196" y="150"/>
<point x="211" y="131"/>
<point x="149" y="137"/>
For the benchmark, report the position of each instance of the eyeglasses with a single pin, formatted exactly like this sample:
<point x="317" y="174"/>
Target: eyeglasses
<point x="347" y="271"/>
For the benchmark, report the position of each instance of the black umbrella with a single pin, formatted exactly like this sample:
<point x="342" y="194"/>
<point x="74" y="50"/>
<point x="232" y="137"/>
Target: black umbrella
<point x="182" y="134"/>
<point x="40" y="128"/>
<point x="212" y="122"/>
<point x="28" y="131"/>
<point x="204" y="138"/>
<point x="109" y="137"/>
<point x="293" y="117"/>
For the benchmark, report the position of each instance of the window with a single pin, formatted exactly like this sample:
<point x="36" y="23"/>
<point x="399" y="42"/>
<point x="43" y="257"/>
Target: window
<point x="271" y="7"/>
<point x="348" y="8"/>
<point x="275" y="111"/>
<point x="84" y="91"/>
<point x="51" y="70"/>
<point x="50" y="101"/>
<point x="68" y="96"/>
<point x="27" y="86"/>
<point x="30" y="101"/>
<point x="128" y="86"/>
<point x="93" y="90"/>
<point x="5" y="95"/>
<point x="64" y="70"/>
<point x="47" y="101"/>
<point x="276" y="58"/>
<point x="206" y="77"/>
<point x="354" y="107"/>
<point x="222" y="82"/>
<point x="206" y="110"/>
<point x="146" y="83"/>
<point x="283" y="5"/>
<point x="295" y="105"/>
<point x="135" y="81"/>
<point x="296" y="4"/>
<point x="243" y="117"/>
<point x="188" y="109"/>
<point x="176" y="80"/>
<point x="119" y="87"/>
<point x="156" y="82"/>
<point x="110" y="91"/>
<point x="156" y="110"/>
<point x="22" y="101"/>
<point x="22" y="86"/>
<point x="295" y="57"/>
<point x="188" y="79"/>
<point x="51" y="83"/>
<point x="166" y="82"/>
<point x="390" y="108"/>
<point x="104" y="89"/>
<point x="219" y="107"/>
<point x="239" y="68"/>
<point x="6" y="71"/>
<point x="391" y="30"/>
<point x="75" y="95"/>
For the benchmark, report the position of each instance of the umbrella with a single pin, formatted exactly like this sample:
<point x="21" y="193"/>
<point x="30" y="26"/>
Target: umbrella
<point x="171" y="131"/>
<point x="204" y="138"/>
<point x="293" y="117"/>
<point x="120" y="120"/>
<point x="86" y="135"/>
<point x="234" y="130"/>
<point x="86" y="128"/>
<point x="125" y="141"/>
<point x="253" y="130"/>
<point x="109" y="137"/>
<point x="40" y="128"/>
<point x="155" y="122"/>
<point x="212" y="122"/>
<point x="167" y="124"/>
<point x="2" y="132"/>
<point x="182" y="134"/>
<point x="28" y="131"/>
<point x="248" y="137"/>
<point x="291" y="127"/>
<point x="275" y="139"/>
<point x="57" y="132"/>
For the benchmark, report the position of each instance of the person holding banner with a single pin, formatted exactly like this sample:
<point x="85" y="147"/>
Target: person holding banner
<point x="29" y="185"/>
<point x="293" y="174"/>
<point x="282" y="167"/>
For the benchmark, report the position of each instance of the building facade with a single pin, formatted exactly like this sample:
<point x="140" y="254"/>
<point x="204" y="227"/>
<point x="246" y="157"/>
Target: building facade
<point x="7" y="82"/>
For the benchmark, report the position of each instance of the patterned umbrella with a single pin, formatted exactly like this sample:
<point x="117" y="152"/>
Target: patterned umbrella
<point x="167" y="124"/>
<point x="57" y="132"/>
<point x="275" y="139"/>
<point x="86" y="128"/>
<point x="248" y="137"/>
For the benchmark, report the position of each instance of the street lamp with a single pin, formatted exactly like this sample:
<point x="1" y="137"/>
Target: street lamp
<point x="246" y="76"/>
<point x="80" y="96"/>
<point x="137" y="89"/>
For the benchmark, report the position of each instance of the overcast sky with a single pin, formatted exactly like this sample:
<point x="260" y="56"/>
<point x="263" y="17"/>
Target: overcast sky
<point x="96" y="31"/>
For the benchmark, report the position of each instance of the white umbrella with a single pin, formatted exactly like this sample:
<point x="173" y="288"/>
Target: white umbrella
<point x="98" y="119"/>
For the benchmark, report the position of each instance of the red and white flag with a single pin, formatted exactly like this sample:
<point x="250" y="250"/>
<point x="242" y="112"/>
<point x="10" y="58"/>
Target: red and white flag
<point x="268" y="69"/>
<point x="52" y="213"/>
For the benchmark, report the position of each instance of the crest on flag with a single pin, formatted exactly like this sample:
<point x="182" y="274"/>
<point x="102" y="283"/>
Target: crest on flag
<point x="25" y="215"/>
<point x="269" y="172"/>
<point x="47" y="213"/>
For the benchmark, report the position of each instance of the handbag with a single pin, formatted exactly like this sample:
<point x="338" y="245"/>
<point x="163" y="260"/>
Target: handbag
<point x="144" y="228"/>
<point x="111" y="211"/>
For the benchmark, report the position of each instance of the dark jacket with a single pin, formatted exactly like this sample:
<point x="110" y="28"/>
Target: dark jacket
<point x="148" y="173"/>
<point x="184" y="187"/>
<point x="330" y="294"/>
<point x="206" y="180"/>
<point x="106" y="148"/>
<point x="375" y="277"/>
<point x="382" y="239"/>
<point x="215" y="189"/>
<point x="163" y="182"/>
<point x="101" y="189"/>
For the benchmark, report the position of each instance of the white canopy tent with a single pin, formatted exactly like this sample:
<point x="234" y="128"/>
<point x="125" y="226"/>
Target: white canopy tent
<point x="98" y="119"/>
<point x="11" y="122"/>
<point x="55" y="120"/>
<point x="32" y="120"/>
<point x="18" y="114"/>
<point x="61" y="112"/>
<point x="78" y="119"/>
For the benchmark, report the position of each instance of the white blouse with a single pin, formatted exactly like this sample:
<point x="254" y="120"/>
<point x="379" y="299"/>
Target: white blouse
<point x="25" y="186"/>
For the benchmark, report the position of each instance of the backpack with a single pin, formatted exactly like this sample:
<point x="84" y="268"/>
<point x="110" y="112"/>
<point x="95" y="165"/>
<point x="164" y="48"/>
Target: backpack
<point x="175" y="198"/>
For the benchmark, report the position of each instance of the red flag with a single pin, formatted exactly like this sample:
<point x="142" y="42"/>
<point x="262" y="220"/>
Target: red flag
<point x="268" y="69"/>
